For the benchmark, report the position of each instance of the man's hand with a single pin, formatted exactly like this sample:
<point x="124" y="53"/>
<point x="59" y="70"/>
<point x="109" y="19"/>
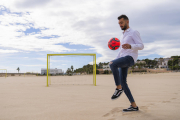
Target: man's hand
<point x="126" y="46"/>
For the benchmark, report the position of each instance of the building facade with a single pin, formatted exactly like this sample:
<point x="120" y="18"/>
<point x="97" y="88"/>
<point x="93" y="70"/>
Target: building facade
<point x="106" y="67"/>
<point x="51" y="71"/>
<point x="163" y="62"/>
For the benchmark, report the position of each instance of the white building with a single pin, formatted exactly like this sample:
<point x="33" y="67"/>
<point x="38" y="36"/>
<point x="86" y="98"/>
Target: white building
<point x="106" y="67"/>
<point x="51" y="71"/>
<point x="164" y="62"/>
<point x="143" y="62"/>
<point x="164" y="65"/>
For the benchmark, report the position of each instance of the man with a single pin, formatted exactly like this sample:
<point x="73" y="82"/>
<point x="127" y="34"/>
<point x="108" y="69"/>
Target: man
<point x="130" y="44"/>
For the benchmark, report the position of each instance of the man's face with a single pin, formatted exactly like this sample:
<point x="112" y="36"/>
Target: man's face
<point x="123" y="23"/>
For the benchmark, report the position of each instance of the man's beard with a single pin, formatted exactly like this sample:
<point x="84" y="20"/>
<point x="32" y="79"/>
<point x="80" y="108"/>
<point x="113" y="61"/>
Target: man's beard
<point x="125" y="27"/>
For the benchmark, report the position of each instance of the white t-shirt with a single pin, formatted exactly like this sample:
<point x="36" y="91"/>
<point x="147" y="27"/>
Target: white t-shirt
<point x="133" y="38"/>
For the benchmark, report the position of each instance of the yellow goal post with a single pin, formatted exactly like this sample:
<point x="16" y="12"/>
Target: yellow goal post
<point x="77" y="54"/>
<point x="5" y="73"/>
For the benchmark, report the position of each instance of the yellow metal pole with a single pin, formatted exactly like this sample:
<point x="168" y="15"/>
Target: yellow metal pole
<point x="95" y="69"/>
<point x="47" y="70"/>
<point x="6" y="72"/>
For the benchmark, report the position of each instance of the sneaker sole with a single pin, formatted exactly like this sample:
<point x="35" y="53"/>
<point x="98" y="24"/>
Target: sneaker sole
<point x="116" y="98"/>
<point x="131" y="111"/>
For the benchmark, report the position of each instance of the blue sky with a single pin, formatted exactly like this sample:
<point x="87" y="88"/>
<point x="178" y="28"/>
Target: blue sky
<point x="32" y="29"/>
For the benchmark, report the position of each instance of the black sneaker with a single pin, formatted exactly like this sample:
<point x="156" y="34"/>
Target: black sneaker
<point x="131" y="108"/>
<point x="117" y="93"/>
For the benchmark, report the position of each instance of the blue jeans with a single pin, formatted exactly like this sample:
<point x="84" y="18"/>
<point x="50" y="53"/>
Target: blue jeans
<point x="120" y="76"/>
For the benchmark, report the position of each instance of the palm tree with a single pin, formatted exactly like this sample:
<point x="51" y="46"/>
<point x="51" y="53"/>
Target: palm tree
<point x="72" y="68"/>
<point x="68" y="71"/>
<point x="18" y="69"/>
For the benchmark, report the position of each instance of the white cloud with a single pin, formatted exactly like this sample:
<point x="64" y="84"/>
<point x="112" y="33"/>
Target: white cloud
<point x="90" y="23"/>
<point x="8" y="51"/>
<point x="51" y="60"/>
<point x="164" y="48"/>
<point x="35" y="65"/>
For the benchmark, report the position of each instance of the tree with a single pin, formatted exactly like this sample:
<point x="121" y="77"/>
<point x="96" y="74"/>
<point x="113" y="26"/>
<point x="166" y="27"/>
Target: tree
<point x="175" y="56"/>
<point x="154" y="63"/>
<point x="106" y="72"/>
<point x="68" y="71"/>
<point x="84" y="69"/>
<point x="105" y="63"/>
<point x="139" y="65"/>
<point x="88" y="68"/>
<point x="150" y="63"/>
<point x="72" y="68"/>
<point x="79" y="70"/>
<point x="144" y="64"/>
<point x="97" y="67"/>
<point x="18" y="69"/>
<point x="100" y="65"/>
<point x="133" y="66"/>
<point x="176" y="66"/>
<point x="172" y="63"/>
<point x="97" y="71"/>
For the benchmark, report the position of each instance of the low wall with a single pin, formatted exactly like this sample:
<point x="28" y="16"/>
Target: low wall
<point x="149" y="70"/>
<point x="17" y="74"/>
<point x="157" y="70"/>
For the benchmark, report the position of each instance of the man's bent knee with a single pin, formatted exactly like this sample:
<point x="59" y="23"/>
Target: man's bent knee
<point x="110" y="64"/>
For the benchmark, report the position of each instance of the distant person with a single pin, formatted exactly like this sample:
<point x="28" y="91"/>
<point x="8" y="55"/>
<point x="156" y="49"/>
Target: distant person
<point x="130" y="44"/>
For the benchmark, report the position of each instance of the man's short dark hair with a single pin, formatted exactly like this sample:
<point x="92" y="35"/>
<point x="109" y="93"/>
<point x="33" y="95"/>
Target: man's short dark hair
<point x="123" y="16"/>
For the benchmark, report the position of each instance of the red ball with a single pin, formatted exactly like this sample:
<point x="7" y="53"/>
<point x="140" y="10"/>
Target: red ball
<point x="114" y="43"/>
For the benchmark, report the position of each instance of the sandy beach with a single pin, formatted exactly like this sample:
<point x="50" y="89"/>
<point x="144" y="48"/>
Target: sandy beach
<point x="28" y="98"/>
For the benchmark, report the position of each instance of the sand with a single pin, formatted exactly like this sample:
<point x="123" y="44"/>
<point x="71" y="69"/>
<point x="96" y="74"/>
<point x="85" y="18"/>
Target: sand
<point x="28" y="98"/>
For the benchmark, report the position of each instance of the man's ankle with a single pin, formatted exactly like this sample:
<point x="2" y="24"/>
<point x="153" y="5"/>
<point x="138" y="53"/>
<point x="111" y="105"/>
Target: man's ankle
<point x="119" y="87"/>
<point x="134" y="104"/>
